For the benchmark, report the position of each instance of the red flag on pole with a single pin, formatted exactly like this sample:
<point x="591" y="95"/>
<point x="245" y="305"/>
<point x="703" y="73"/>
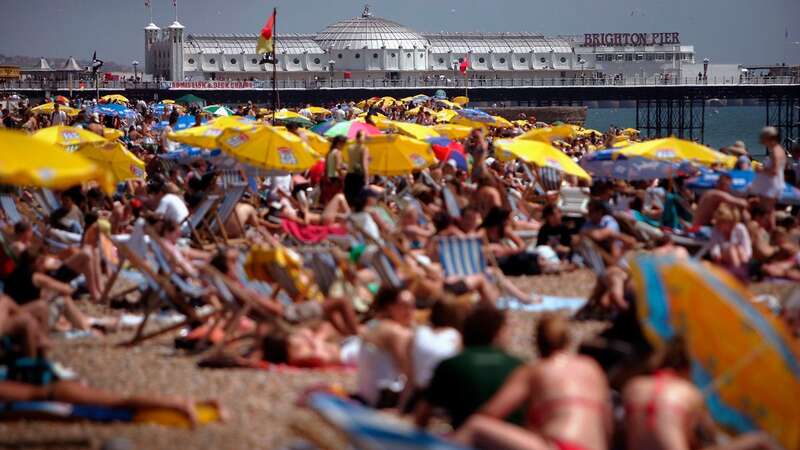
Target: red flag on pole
<point x="463" y="66"/>
<point x="266" y="39"/>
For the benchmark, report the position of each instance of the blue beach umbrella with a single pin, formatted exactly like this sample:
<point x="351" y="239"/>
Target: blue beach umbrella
<point x="741" y="181"/>
<point x="604" y="165"/>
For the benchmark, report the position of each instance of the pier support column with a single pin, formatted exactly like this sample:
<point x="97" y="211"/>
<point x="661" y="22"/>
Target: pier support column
<point x="664" y="117"/>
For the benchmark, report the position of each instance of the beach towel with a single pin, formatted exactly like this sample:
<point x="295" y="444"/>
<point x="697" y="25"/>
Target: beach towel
<point x="311" y="234"/>
<point x="547" y="303"/>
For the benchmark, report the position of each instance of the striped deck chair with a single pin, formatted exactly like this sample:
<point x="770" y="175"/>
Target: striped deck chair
<point x="367" y="428"/>
<point x="13" y="216"/>
<point x="573" y="201"/>
<point x="550" y="178"/>
<point x="386" y="270"/>
<point x="195" y="221"/>
<point x="323" y="265"/>
<point x="224" y="210"/>
<point x="461" y="256"/>
<point x="592" y="256"/>
<point x="451" y="203"/>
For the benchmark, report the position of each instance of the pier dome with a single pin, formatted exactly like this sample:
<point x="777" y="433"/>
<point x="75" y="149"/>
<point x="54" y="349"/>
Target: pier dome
<point x="368" y="32"/>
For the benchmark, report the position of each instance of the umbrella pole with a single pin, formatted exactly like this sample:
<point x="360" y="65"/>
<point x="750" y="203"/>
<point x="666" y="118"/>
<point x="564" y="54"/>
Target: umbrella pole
<point x="275" y="100"/>
<point x="728" y="376"/>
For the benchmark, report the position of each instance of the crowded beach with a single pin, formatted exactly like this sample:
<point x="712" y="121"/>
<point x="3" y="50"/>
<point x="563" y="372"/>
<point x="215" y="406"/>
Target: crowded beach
<point x="390" y="273"/>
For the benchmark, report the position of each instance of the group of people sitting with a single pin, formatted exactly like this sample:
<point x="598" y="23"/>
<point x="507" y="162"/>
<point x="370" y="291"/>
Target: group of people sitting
<point x="424" y="341"/>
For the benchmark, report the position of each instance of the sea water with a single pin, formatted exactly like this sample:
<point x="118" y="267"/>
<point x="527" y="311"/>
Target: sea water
<point x="723" y="125"/>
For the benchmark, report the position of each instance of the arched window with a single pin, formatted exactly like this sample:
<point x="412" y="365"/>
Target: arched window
<point x="191" y="61"/>
<point x="522" y="60"/>
<point x="542" y="60"/>
<point x="481" y="60"/>
<point x="408" y="55"/>
<point x="502" y="60"/>
<point x="339" y="56"/>
<point x="375" y="55"/>
<point x="254" y="61"/>
<point x="316" y="60"/>
<point x="358" y="55"/>
<point x="563" y="60"/>
<point x="212" y="61"/>
<point x="296" y="61"/>
<point x="233" y="60"/>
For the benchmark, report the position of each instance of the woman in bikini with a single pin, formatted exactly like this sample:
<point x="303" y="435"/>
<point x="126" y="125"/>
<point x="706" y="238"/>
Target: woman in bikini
<point x="569" y="401"/>
<point x="665" y="411"/>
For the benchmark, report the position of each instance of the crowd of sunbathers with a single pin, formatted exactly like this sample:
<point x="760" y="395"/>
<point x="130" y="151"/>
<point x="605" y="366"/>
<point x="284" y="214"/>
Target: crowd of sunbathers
<point x="401" y="279"/>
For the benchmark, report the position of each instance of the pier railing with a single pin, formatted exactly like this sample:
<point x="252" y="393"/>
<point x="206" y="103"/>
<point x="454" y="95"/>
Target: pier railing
<point x="475" y="82"/>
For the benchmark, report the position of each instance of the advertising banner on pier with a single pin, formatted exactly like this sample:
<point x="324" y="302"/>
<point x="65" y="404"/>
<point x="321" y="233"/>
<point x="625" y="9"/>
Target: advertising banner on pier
<point x="212" y="84"/>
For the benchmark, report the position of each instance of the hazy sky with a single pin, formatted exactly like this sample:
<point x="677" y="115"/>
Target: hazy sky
<point x="727" y="31"/>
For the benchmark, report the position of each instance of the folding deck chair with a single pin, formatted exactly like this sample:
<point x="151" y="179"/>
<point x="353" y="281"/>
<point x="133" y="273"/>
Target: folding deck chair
<point x="462" y="256"/>
<point x="451" y="203"/>
<point x="224" y="210"/>
<point x="574" y="202"/>
<point x="194" y="222"/>
<point x="13" y="215"/>
<point x="369" y="429"/>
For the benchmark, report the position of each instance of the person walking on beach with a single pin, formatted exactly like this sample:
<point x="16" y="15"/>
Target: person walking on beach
<point x="769" y="182"/>
<point x="58" y="117"/>
<point x="357" y="169"/>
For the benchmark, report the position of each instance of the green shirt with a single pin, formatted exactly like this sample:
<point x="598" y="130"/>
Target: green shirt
<point x="463" y="383"/>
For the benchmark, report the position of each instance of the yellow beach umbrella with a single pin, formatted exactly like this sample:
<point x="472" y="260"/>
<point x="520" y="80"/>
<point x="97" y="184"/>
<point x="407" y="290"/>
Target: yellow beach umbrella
<point x="115" y="159"/>
<point x="318" y="143"/>
<point x="318" y="110"/>
<point x="26" y="161"/>
<point x="550" y="133"/>
<point x="630" y="132"/>
<point x="589" y="132"/>
<point x="452" y="131"/>
<point x="269" y="148"/>
<point x="413" y="130"/>
<point x="70" y="138"/>
<point x="47" y="108"/>
<point x="363" y="117"/>
<point x="168" y="102"/>
<point x="413" y="112"/>
<point x="205" y="136"/>
<point x="677" y="150"/>
<point x="502" y="122"/>
<point x="393" y="155"/>
<point x="114" y="98"/>
<point x="461" y="100"/>
<point x="445" y="115"/>
<point x="112" y="133"/>
<point x="538" y="153"/>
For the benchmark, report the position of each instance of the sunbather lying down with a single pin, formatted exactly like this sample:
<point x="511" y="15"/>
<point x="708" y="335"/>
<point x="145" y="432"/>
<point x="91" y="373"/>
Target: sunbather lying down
<point x="79" y="394"/>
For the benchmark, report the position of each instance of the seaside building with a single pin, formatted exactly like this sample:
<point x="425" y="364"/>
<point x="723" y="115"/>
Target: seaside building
<point x="372" y="48"/>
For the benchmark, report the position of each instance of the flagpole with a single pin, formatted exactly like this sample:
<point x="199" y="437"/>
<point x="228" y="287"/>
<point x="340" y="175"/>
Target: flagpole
<point x="175" y="5"/>
<point x="275" y="100"/>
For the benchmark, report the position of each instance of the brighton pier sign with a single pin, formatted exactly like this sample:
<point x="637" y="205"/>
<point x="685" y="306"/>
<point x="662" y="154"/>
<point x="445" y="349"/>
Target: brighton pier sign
<point x="618" y="39"/>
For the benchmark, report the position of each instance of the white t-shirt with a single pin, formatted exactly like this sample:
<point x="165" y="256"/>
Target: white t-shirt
<point x="740" y="237"/>
<point x="58" y="118"/>
<point x="429" y="348"/>
<point x="172" y="207"/>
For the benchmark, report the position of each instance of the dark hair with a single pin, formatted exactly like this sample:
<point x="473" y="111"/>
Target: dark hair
<point x="220" y="261"/>
<point x="23" y="226"/>
<point x="442" y="220"/>
<point x="548" y="210"/>
<point x="598" y="206"/>
<point x="291" y="126"/>
<point x="756" y="211"/>
<point x="386" y="297"/>
<point x="447" y="313"/>
<point x="482" y="325"/>
<point x="275" y="348"/>
<point x="337" y="141"/>
<point x="89" y="219"/>
<point x="672" y="356"/>
<point x="551" y="335"/>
